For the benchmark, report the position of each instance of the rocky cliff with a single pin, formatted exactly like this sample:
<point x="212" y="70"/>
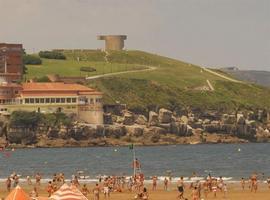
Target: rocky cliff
<point x="158" y="128"/>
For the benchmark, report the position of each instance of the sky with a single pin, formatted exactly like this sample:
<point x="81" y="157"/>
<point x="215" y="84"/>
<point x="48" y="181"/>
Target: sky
<point x="212" y="33"/>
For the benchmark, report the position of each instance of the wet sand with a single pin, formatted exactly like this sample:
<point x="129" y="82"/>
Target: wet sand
<point x="234" y="193"/>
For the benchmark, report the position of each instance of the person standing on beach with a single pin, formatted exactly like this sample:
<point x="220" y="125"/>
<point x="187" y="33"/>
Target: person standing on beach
<point x="225" y="190"/>
<point x="38" y="178"/>
<point x="205" y="188"/>
<point x="254" y="183"/>
<point x="50" y="188"/>
<point x="195" y="194"/>
<point x="106" y="189"/>
<point x="243" y="184"/>
<point x="214" y="187"/>
<point x="166" y="182"/>
<point x="8" y="184"/>
<point x="29" y="182"/>
<point x="154" y="187"/>
<point x="85" y="190"/>
<point x="180" y="187"/>
<point x="16" y="180"/>
<point x="96" y="192"/>
<point x="268" y="182"/>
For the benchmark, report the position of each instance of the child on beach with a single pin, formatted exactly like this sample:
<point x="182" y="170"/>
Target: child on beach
<point x="34" y="193"/>
<point x="50" y="188"/>
<point x="142" y="195"/>
<point x="85" y="190"/>
<point x="29" y="182"/>
<point x="195" y="194"/>
<point x="225" y="190"/>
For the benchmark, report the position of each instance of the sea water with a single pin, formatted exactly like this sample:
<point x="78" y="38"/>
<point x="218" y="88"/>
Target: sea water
<point x="231" y="161"/>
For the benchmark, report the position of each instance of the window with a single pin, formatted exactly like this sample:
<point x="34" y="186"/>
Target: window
<point x="32" y="100"/>
<point x="68" y="100"/>
<point x="74" y="100"/>
<point x="57" y="100"/>
<point x="91" y="101"/>
<point x="52" y="100"/>
<point x="63" y="100"/>
<point x="98" y="100"/>
<point x="42" y="100"/>
<point x="27" y="101"/>
<point x="16" y="92"/>
<point x="36" y="100"/>
<point x="47" y="100"/>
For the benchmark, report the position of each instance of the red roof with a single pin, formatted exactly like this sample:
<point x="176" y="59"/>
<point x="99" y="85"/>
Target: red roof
<point x="57" y="86"/>
<point x="55" y="89"/>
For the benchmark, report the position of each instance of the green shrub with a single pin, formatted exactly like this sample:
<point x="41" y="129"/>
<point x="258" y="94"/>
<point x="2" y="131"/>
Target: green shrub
<point x="33" y="119"/>
<point x="42" y="79"/>
<point x="52" y="55"/>
<point x="87" y="69"/>
<point x="25" y="119"/>
<point x="31" y="60"/>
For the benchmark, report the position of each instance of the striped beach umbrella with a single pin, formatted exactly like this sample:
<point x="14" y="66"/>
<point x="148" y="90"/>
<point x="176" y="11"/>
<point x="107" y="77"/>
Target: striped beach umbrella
<point x="66" y="192"/>
<point x="17" y="194"/>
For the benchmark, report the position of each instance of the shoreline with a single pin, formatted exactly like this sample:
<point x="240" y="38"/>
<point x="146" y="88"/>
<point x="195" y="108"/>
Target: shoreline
<point x="19" y="146"/>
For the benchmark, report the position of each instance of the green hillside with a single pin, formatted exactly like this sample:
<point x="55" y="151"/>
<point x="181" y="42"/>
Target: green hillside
<point x="173" y="84"/>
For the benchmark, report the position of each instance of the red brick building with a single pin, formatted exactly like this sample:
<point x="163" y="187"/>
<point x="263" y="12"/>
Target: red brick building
<point x="11" y="62"/>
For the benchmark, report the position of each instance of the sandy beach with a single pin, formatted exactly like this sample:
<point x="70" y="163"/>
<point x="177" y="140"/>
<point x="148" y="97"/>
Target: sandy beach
<point x="234" y="193"/>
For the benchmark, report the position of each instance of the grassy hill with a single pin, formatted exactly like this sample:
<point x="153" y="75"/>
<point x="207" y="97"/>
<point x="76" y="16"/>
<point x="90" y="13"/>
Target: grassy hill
<point x="173" y="84"/>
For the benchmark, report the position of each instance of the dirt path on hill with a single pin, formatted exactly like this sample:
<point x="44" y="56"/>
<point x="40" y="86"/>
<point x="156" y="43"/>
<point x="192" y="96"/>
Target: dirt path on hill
<point x="221" y="76"/>
<point x="149" y="68"/>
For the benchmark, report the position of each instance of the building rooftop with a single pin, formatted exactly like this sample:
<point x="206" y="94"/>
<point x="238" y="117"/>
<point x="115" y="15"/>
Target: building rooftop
<point x="55" y="86"/>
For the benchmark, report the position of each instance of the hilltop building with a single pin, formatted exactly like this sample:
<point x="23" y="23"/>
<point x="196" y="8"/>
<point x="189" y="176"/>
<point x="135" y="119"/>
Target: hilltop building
<point x="50" y="97"/>
<point x="113" y="42"/>
<point x="84" y="102"/>
<point x="11" y="63"/>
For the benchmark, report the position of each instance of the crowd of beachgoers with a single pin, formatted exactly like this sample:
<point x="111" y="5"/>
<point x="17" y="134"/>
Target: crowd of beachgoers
<point x="107" y="186"/>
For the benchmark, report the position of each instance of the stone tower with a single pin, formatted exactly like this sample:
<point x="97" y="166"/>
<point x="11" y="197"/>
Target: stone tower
<point x="113" y="42"/>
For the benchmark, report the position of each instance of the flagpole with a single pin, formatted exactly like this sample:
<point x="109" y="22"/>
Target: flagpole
<point x="134" y="165"/>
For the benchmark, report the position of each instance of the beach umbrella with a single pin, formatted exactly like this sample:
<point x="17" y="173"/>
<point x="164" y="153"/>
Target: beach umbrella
<point x="66" y="192"/>
<point x="17" y="194"/>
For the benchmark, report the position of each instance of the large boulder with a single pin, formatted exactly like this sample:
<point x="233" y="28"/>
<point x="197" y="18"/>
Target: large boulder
<point x="164" y="116"/>
<point x="155" y="130"/>
<point x="21" y="136"/>
<point x="211" y="128"/>
<point x="108" y="118"/>
<point x="180" y="129"/>
<point x="115" y="131"/>
<point x="240" y="119"/>
<point x="128" y="119"/>
<point x="134" y="130"/>
<point x="227" y="128"/>
<point x="166" y="126"/>
<point x="228" y="119"/>
<point x="153" y="118"/>
<point x="141" y="120"/>
<point x="184" y="119"/>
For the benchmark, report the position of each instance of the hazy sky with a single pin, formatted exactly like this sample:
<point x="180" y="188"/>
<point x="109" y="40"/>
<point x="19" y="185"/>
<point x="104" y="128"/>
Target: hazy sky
<point x="206" y="32"/>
